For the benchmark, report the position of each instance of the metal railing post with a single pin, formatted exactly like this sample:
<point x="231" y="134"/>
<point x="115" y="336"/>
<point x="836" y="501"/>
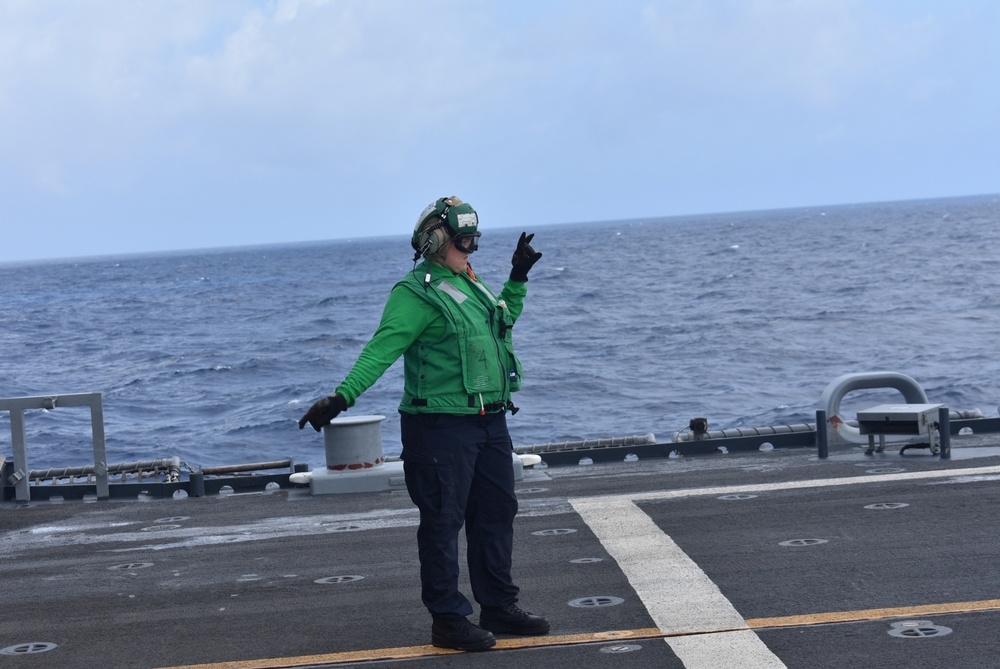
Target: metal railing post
<point x="21" y="492"/>
<point x="944" y="432"/>
<point x="100" y="450"/>
<point x="822" y="441"/>
<point x="18" y="405"/>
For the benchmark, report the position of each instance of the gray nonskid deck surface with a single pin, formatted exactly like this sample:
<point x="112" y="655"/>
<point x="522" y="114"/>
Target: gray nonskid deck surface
<point x="670" y="562"/>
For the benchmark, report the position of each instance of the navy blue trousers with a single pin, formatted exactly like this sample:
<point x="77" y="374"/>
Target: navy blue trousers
<point x="459" y="471"/>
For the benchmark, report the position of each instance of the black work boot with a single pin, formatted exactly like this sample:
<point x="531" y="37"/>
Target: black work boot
<point x="512" y="620"/>
<point x="458" y="633"/>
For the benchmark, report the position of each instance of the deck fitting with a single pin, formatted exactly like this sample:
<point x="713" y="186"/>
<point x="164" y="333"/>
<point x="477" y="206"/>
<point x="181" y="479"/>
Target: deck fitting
<point x="621" y="648"/>
<point x="30" y="648"/>
<point x="918" y="629"/>
<point x="803" y="542"/>
<point x="595" y="601"/>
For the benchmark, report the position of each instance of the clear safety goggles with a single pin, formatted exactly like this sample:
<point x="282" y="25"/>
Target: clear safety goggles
<point x="466" y="243"/>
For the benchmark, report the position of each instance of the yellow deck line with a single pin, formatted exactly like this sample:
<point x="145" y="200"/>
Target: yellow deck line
<point x="873" y="614"/>
<point x="411" y="652"/>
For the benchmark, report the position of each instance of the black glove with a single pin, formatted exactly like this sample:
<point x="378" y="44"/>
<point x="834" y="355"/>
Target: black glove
<point x="323" y="411"/>
<point x="524" y="257"/>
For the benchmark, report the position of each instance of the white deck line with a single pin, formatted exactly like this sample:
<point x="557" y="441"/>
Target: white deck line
<point x="678" y="595"/>
<point x="795" y="485"/>
<point x="704" y="629"/>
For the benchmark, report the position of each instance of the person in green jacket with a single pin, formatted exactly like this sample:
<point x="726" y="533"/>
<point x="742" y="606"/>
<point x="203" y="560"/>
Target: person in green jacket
<point x="460" y="369"/>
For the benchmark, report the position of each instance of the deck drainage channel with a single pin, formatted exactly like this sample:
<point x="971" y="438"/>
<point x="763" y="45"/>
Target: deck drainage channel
<point x="31" y="648"/>
<point x="917" y="629"/>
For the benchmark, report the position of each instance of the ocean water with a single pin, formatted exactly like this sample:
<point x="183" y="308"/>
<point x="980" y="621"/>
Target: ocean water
<point x="630" y="327"/>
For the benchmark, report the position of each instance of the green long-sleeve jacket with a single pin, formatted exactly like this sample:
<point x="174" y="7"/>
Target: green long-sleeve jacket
<point x="455" y="339"/>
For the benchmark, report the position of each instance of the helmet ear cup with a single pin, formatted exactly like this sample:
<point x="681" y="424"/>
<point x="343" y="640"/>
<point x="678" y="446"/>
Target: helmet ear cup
<point x="432" y="239"/>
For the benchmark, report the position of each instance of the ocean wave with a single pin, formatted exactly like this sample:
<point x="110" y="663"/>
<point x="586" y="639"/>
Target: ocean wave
<point x="214" y="355"/>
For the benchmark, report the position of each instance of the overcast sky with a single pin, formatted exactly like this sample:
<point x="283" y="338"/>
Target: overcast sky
<point x="133" y="126"/>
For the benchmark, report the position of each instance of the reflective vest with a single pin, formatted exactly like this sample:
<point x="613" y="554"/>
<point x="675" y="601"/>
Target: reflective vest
<point x="472" y="368"/>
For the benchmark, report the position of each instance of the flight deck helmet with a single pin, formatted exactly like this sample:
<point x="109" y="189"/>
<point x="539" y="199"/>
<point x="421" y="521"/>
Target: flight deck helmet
<point x="444" y="220"/>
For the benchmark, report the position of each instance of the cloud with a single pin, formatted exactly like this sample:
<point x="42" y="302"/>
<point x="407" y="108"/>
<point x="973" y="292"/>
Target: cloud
<point x="195" y="114"/>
